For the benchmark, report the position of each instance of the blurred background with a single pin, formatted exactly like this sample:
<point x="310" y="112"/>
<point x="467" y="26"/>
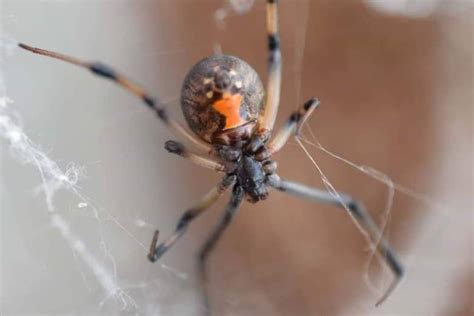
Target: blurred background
<point x="396" y="83"/>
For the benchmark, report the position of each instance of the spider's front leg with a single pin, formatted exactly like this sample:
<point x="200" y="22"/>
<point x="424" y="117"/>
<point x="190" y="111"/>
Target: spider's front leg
<point x="106" y="72"/>
<point x="157" y="251"/>
<point x="293" y="125"/>
<point x="360" y="214"/>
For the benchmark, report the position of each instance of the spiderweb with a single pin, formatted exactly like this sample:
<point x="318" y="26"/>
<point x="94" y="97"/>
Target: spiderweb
<point x="107" y="246"/>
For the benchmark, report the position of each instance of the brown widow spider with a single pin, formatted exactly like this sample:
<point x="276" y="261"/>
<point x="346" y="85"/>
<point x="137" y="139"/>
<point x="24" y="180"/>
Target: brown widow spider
<point x="224" y="104"/>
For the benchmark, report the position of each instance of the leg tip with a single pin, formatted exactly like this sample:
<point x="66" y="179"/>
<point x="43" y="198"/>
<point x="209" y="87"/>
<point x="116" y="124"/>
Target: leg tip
<point x="174" y="147"/>
<point x="312" y="103"/>
<point x="152" y="258"/>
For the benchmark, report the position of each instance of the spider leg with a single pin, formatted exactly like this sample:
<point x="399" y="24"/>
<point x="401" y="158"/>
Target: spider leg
<point x="157" y="251"/>
<point x="179" y="149"/>
<point x="229" y="212"/>
<point x="106" y="72"/>
<point x="293" y="125"/>
<point x="360" y="214"/>
<point x="267" y="119"/>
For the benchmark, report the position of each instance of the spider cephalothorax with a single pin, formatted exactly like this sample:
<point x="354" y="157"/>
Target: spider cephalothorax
<point x="223" y="101"/>
<point x="251" y="171"/>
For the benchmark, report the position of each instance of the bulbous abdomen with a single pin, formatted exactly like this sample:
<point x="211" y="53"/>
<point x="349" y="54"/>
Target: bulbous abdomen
<point x="221" y="93"/>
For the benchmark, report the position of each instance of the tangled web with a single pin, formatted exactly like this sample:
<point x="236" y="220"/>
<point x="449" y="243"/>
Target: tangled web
<point x="94" y="258"/>
<point x="144" y="296"/>
<point x="53" y="179"/>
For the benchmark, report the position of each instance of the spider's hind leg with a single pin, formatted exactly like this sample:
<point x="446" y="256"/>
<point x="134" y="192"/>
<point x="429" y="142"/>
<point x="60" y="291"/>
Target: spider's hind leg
<point x="157" y="251"/>
<point x="229" y="212"/>
<point x="267" y="119"/>
<point x="360" y="214"/>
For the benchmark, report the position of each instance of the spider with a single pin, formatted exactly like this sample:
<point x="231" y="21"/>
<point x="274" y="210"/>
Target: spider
<point x="225" y="105"/>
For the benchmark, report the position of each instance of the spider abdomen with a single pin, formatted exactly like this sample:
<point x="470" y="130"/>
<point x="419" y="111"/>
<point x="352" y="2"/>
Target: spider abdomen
<point x="221" y="99"/>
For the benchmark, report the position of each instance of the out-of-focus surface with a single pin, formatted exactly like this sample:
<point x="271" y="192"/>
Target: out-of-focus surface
<point x="396" y="96"/>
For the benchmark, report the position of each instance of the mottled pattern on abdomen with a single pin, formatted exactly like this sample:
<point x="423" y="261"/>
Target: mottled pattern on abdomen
<point x="199" y="93"/>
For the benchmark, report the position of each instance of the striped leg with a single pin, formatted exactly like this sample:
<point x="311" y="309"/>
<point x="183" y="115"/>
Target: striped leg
<point x="293" y="125"/>
<point x="267" y="119"/>
<point x="230" y="210"/>
<point x="157" y="251"/>
<point x="229" y="213"/>
<point x="106" y="72"/>
<point x="360" y="214"/>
